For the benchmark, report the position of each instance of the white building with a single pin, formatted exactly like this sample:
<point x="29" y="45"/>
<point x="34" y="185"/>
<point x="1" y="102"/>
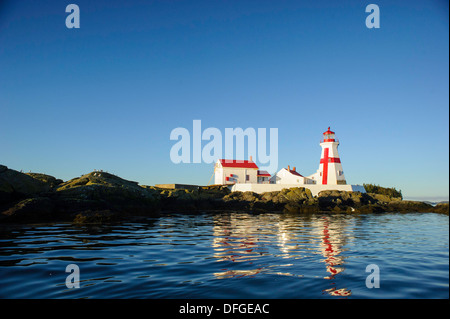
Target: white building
<point x="290" y="176"/>
<point x="263" y="177"/>
<point x="229" y="172"/>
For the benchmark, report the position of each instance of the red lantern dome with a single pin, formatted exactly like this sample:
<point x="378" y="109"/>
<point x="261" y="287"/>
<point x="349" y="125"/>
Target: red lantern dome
<point x="328" y="136"/>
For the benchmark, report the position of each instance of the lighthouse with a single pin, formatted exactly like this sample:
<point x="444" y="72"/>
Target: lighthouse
<point x="329" y="176"/>
<point x="330" y="170"/>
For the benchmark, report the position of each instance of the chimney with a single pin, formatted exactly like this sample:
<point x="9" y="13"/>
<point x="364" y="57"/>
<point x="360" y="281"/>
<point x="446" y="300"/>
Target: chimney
<point x="251" y="159"/>
<point x="289" y="168"/>
<point x="293" y="168"/>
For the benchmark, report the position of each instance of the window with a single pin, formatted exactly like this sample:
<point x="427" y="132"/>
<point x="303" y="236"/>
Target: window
<point x="247" y="177"/>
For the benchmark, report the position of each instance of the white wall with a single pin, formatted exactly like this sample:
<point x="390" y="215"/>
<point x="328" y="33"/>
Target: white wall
<point x="218" y="176"/>
<point x="315" y="189"/>
<point x="285" y="177"/>
<point x="238" y="175"/>
<point x="263" y="179"/>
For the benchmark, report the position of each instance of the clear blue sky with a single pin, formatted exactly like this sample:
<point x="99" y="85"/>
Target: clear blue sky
<point x="107" y="95"/>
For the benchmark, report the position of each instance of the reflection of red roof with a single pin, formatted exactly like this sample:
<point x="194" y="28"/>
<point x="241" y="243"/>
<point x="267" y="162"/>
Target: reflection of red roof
<point x="328" y="132"/>
<point x="294" y="173"/>
<point x="263" y="173"/>
<point x="238" y="163"/>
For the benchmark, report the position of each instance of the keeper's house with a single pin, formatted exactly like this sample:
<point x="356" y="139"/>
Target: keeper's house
<point x="290" y="176"/>
<point x="229" y="172"/>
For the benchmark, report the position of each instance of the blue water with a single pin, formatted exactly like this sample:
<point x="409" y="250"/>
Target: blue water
<point x="231" y="255"/>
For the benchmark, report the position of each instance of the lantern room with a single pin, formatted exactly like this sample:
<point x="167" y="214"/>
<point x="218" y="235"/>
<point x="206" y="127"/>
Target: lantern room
<point x="328" y="136"/>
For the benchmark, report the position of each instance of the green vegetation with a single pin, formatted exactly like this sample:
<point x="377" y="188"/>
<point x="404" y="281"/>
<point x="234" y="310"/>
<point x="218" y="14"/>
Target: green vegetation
<point x="376" y="189"/>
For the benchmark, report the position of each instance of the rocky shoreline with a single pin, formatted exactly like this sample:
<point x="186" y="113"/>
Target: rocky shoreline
<point x="102" y="197"/>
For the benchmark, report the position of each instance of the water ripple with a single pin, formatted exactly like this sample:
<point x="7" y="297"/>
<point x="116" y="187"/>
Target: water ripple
<point x="230" y="255"/>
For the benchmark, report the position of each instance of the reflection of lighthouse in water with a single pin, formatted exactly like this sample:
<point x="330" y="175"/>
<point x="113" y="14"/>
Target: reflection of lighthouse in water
<point x="248" y="245"/>
<point x="235" y="241"/>
<point x="244" y="240"/>
<point x="331" y="247"/>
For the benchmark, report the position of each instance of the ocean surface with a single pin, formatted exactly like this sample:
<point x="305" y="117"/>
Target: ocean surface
<point x="231" y="255"/>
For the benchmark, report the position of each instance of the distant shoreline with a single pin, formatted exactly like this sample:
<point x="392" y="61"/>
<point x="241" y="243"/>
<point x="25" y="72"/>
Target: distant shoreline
<point x="428" y="200"/>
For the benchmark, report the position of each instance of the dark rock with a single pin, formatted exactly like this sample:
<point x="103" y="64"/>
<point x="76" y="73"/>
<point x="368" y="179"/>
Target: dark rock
<point x="369" y="209"/>
<point x="95" y="217"/>
<point x="441" y="208"/>
<point x="104" y="191"/>
<point x="409" y="206"/>
<point x="331" y="198"/>
<point x="15" y="185"/>
<point x="242" y="197"/>
<point x="47" y="179"/>
<point x="380" y="198"/>
<point x="31" y="209"/>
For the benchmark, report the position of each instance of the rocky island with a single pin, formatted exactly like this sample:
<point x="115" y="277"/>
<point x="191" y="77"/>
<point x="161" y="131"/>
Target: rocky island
<point x="102" y="197"/>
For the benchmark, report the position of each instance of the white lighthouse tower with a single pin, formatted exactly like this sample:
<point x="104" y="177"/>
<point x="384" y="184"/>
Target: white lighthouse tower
<point x="330" y="169"/>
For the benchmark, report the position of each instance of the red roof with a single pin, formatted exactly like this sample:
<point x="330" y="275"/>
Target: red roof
<point x="263" y="173"/>
<point x="238" y="163"/>
<point x="328" y="132"/>
<point x="295" y="173"/>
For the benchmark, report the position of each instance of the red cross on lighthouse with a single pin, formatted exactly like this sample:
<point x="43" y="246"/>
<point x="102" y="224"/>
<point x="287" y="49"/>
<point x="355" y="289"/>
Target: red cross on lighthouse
<point x="324" y="161"/>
